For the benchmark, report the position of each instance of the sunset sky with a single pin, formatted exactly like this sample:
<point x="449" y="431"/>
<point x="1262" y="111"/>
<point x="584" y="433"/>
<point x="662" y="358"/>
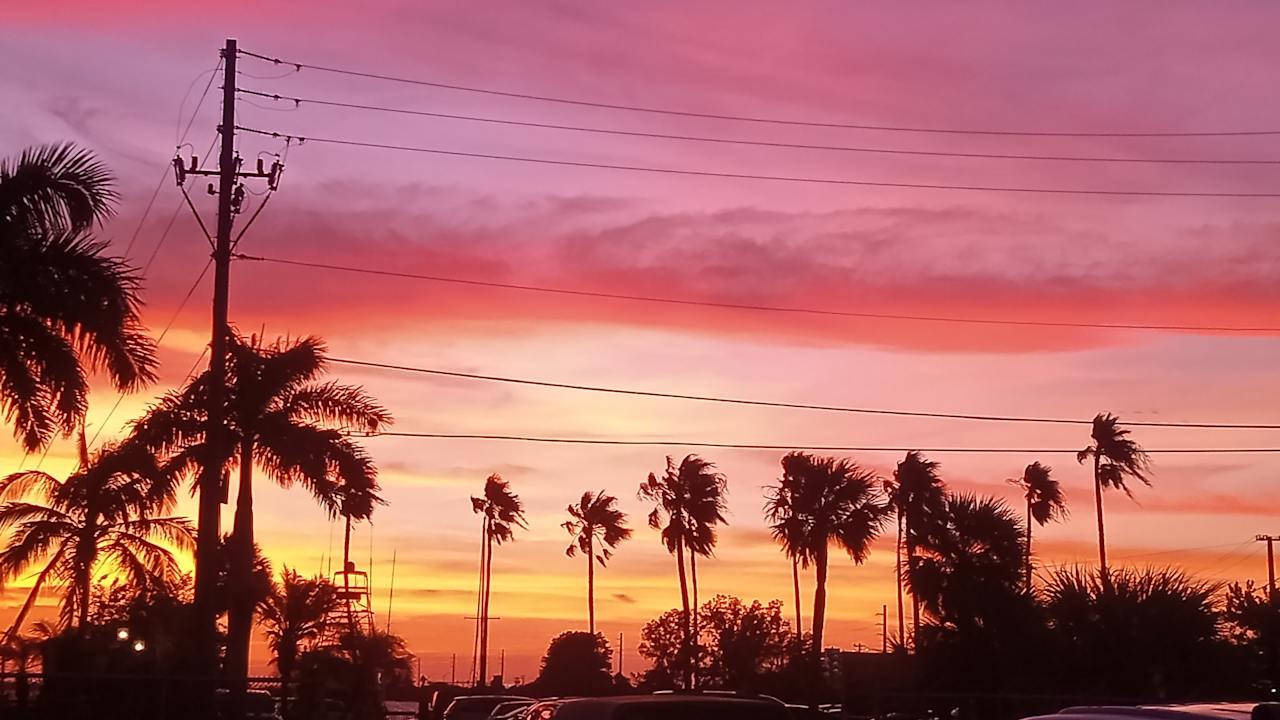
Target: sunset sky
<point x="112" y="77"/>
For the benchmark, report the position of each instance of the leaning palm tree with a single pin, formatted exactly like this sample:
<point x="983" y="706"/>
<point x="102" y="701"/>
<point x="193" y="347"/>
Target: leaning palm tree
<point x="503" y="513"/>
<point x="917" y="495"/>
<point x="836" y="501"/>
<point x="688" y="502"/>
<point x="66" y="308"/>
<point x="595" y="519"/>
<point x="293" y="617"/>
<point x="102" y="518"/>
<point x="280" y="418"/>
<point x="1116" y="459"/>
<point x="1045" y="502"/>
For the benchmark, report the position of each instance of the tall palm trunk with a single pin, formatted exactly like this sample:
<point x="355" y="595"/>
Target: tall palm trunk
<point x="239" y="574"/>
<point x="1102" y="533"/>
<point x="693" y="581"/>
<point x="475" y="641"/>
<point x="902" y="618"/>
<point x="484" y="612"/>
<point x="591" y="584"/>
<point x="83" y="580"/>
<point x="688" y="619"/>
<point x="915" y="598"/>
<point x="795" y="583"/>
<point x="1028" y="545"/>
<point x="819" y="598"/>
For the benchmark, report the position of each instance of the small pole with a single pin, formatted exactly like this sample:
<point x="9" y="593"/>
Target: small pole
<point x="453" y="669"/>
<point x="884" y="628"/>
<point x="1271" y="564"/>
<point x="619" y="654"/>
<point x="391" y="591"/>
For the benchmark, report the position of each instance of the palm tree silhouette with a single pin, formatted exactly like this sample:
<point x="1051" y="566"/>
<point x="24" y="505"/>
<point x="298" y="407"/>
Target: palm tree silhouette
<point x="970" y="563"/>
<point x="918" y="497"/>
<point x="502" y="512"/>
<point x="691" y="498"/>
<point x="283" y="419"/>
<point x="293" y="617"/>
<point x="1045" y="502"/>
<point x="828" y="500"/>
<point x="1116" y="458"/>
<point x="595" y="518"/>
<point x="65" y="307"/>
<point x="100" y="518"/>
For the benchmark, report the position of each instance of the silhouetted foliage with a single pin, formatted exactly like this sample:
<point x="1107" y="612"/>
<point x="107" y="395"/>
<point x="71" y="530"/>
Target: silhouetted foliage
<point x="820" y="501"/>
<point x="293" y="617"/>
<point x="1253" y="625"/>
<point x="917" y="495"/>
<point x="103" y="517"/>
<point x="282" y="419"/>
<point x="597" y="527"/>
<point x="1116" y="460"/>
<point x="355" y="673"/>
<point x="576" y="663"/>
<point x="66" y="308"/>
<point x="1045" y="503"/>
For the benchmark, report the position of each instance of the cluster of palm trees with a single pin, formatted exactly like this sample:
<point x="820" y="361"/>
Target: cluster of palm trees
<point x="68" y="310"/>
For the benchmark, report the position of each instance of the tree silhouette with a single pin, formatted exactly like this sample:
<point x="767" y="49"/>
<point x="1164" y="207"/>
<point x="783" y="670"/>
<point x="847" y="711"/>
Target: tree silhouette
<point x="970" y="563"/>
<point x="576" y="663"/>
<point x="918" y="496"/>
<point x="65" y="307"/>
<point x="595" y="518"/>
<point x="502" y="512"/>
<point x="283" y="420"/>
<point x="1045" y="502"/>
<point x="100" y="518"/>
<point x="293" y="617"/>
<point x="688" y="503"/>
<point x="820" y="501"/>
<point x="787" y="525"/>
<point x="1116" y="459"/>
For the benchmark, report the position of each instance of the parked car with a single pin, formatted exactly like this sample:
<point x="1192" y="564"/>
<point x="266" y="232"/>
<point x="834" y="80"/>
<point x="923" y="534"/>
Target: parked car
<point x="476" y="707"/>
<point x="671" y="707"/>
<point x="511" y="709"/>
<point x="259" y="705"/>
<point x="543" y="710"/>
<point x="1206" y="711"/>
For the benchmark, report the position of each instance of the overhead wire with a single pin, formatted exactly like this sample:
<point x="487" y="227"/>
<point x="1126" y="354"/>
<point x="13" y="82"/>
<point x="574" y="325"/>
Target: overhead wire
<point x="759" y="176"/>
<point x="751" y="306"/>
<point x="789" y="405"/>
<point x="789" y="446"/>
<point x="299" y="101"/>
<point x="299" y="66"/>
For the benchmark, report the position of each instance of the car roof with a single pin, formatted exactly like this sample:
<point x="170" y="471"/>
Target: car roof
<point x="675" y="698"/>
<point x="1218" y="711"/>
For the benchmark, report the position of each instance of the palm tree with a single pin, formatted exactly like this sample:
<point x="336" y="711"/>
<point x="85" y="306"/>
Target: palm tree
<point x="502" y="512"/>
<point x="1116" y="458"/>
<point x="970" y="562"/>
<point x="293" y="617"/>
<point x="282" y="419"/>
<point x="1045" y="502"/>
<point x="102" y="518"/>
<point x="918" y="497"/>
<point x="595" y="518"/>
<point x="65" y="307"/>
<point x="690" y="496"/>
<point x="829" y="500"/>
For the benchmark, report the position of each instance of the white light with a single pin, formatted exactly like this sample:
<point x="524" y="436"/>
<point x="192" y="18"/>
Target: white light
<point x="139" y="646"/>
<point x="122" y="634"/>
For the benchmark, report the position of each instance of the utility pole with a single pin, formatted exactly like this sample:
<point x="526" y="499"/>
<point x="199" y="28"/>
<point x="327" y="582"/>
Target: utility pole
<point x="884" y="628"/>
<point x="214" y="484"/>
<point x="453" y="669"/>
<point x="619" y="654"/>
<point x="1271" y="564"/>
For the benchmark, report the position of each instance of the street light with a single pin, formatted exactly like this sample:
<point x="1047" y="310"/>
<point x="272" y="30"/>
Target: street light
<point x="122" y="634"/>
<point x="139" y="646"/>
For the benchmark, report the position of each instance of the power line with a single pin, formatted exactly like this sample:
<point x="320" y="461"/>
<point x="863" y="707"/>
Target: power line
<point x="298" y="101"/>
<point x="801" y="446"/>
<point x="790" y="405"/>
<point x="298" y="66"/>
<point x="749" y="306"/>
<point x="755" y="176"/>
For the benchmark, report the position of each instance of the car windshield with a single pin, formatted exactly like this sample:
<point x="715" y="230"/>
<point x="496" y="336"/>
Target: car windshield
<point x="474" y="705"/>
<point x="702" y="711"/>
<point x="509" y="706"/>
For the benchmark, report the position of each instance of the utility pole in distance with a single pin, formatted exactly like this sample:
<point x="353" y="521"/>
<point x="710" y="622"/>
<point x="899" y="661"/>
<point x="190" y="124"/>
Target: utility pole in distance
<point x="1271" y="564"/>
